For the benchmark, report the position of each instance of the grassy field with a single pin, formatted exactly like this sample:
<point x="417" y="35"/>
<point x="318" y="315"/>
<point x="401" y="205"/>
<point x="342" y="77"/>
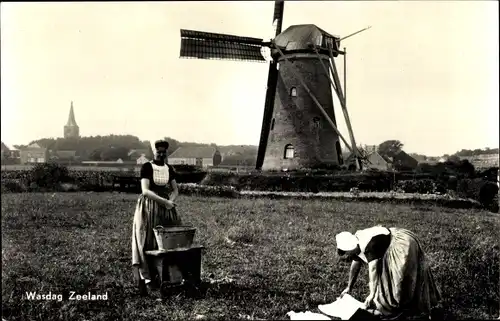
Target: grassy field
<point x="283" y="257"/>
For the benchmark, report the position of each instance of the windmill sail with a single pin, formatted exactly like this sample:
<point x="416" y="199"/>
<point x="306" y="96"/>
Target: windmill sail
<point x="278" y="15"/>
<point x="207" y="45"/>
<point x="272" y="80"/>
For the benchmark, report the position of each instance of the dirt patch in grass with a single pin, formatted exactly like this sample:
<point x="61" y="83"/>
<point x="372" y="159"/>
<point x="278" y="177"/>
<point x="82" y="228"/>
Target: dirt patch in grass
<point x="274" y="255"/>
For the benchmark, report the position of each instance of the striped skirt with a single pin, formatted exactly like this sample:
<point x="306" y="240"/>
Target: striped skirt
<point x="406" y="284"/>
<point x="148" y="214"/>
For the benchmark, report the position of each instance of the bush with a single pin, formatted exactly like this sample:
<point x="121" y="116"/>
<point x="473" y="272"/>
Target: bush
<point x="488" y="196"/>
<point x="194" y="177"/>
<point x="422" y="186"/>
<point x="48" y="175"/>
<point x="186" y="168"/>
<point x="203" y="190"/>
<point x="302" y="181"/>
<point x="465" y="168"/>
<point x="16" y="175"/>
<point x="13" y="186"/>
<point x="489" y="174"/>
<point x="92" y="180"/>
<point x="486" y="192"/>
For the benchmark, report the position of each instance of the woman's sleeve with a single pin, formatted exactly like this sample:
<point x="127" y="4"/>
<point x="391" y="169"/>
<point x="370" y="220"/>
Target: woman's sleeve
<point x="376" y="247"/>
<point x="147" y="171"/>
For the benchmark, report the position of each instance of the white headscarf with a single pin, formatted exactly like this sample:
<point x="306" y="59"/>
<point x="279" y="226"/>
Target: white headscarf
<point x="346" y="241"/>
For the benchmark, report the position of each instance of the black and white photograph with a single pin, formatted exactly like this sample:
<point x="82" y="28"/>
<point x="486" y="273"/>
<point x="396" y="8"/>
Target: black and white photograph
<point x="250" y="160"/>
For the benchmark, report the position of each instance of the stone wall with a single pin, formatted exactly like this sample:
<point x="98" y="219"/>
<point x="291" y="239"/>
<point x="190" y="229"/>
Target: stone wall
<point x="298" y="121"/>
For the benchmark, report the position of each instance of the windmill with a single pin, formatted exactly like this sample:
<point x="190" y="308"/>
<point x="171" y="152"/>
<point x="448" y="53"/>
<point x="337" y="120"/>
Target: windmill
<point x="299" y="128"/>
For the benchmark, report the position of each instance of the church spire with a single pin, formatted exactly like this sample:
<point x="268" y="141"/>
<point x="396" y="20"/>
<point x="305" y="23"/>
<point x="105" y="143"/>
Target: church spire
<point x="71" y="118"/>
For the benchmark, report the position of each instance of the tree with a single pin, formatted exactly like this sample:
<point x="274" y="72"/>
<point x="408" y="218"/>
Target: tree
<point x="84" y="146"/>
<point x="114" y="153"/>
<point x="217" y="158"/>
<point x="240" y="159"/>
<point x="95" y="155"/>
<point x="477" y="151"/>
<point x="454" y="159"/>
<point x="150" y="153"/>
<point x="45" y="142"/>
<point x="389" y="148"/>
<point x="465" y="167"/>
<point x="172" y="145"/>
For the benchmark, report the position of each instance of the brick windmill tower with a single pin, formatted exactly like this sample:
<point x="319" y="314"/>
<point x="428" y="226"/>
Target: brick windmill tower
<point x="71" y="130"/>
<point x="299" y="129"/>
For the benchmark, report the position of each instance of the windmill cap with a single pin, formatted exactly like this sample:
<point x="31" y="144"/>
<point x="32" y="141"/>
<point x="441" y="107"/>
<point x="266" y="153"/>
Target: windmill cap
<point x="298" y="37"/>
<point x="346" y="241"/>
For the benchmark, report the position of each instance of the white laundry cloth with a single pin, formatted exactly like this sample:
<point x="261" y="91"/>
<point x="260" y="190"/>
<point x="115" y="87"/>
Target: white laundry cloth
<point x="343" y="308"/>
<point x="308" y="315"/>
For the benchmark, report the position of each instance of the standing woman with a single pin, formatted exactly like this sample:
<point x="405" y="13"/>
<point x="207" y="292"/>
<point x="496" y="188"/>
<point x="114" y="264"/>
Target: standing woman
<point x="155" y="206"/>
<point x="400" y="279"/>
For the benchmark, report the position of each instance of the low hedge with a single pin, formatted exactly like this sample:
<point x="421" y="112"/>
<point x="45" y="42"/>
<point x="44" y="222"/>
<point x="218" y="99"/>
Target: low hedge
<point x="479" y="189"/>
<point x="300" y="181"/>
<point x="378" y="181"/>
<point x="391" y="197"/>
<point x="10" y="185"/>
<point x="422" y="186"/>
<point x="47" y="177"/>
<point x="205" y="190"/>
<point x="49" y="174"/>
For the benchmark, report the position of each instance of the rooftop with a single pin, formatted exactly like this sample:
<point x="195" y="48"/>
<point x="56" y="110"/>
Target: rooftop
<point x="193" y="152"/>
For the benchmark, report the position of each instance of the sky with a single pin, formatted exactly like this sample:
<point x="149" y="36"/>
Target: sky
<point x="426" y="73"/>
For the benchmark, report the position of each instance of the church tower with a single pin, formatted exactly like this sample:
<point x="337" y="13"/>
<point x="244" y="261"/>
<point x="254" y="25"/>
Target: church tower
<point x="71" y="130"/>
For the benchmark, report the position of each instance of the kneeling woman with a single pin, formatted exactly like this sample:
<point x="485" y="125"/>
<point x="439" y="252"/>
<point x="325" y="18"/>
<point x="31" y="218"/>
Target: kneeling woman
<point x="155" y="206"/>
<point x="400" y="279"/>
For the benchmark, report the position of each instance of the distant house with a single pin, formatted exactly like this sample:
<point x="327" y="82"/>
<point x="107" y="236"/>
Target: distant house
<point x="135" y="154"/>
<point x="5" y="151"/>
<point x="66" y="154"/>
<point x="348" y="158"/>
<point x="63" y="156"/>
<point x="142" y="160"/>
<point x="10" y="155"/>
<point x="34" y="153"/>
<point x="419" y="158"/>
<point x="202" y="156"/>
<point x="237" y="155"/>
<point x="402" y="160"/>
<point x="370" y="148"/>
<point x="430" y="160"/>
<point x="237" y="150"/>
<point x="377" y="161"/>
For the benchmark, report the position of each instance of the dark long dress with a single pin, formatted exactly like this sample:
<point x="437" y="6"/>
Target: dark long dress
<point x="149" y="214"/>
<point x="406" y="284"/>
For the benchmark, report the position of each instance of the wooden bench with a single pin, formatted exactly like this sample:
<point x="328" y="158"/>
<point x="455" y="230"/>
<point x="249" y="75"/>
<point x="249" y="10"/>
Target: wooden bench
<point x="177" y="265"/>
